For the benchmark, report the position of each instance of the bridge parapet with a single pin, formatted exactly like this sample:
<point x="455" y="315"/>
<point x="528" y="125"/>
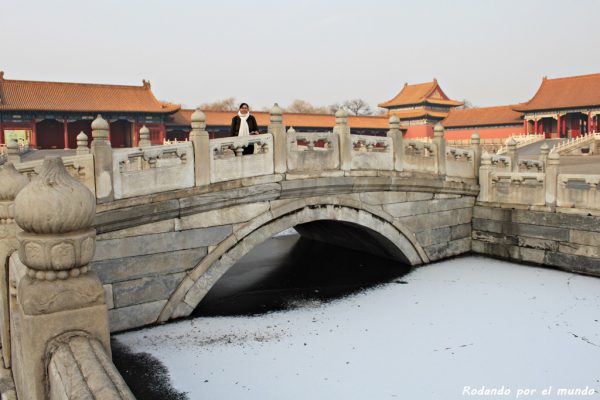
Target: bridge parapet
<point x="312" y="151"/>
<point x="228" y="161"/>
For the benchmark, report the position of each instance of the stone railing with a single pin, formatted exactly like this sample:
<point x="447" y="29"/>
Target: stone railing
<point x="372" y="152"/>
<point x="153" y="169"/>
<point x="80" y="167"/>
<point x="460" y="162"/>
<point x="585" y="144"/>
<point x="312" y="151"/>
<point x="578" y="191"/>
<point x="522" y="140"/>
<point x="420" y="156"/>
<point x="228" y="161"/>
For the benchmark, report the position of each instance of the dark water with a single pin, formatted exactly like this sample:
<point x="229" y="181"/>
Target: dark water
<point x="285" y="271"/>
<point x="281" y="273"/>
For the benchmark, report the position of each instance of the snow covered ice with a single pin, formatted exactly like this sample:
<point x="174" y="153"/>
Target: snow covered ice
<point x="467" y="322"/>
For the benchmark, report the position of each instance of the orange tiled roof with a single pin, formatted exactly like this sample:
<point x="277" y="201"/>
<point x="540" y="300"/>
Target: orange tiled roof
<point x="569" y="92"/>
<point x="223" y="118"/>
<point x="420" y="93"/>
<point x="83" y="97"/>
<point x="501" y="115"/>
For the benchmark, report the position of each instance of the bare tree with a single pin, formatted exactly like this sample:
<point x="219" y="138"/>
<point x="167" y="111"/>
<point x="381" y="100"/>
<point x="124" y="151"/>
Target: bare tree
<point x="358" y="107"/>
<point x="227" y="104"/>
<point x="304" y="107"/>
<point x="467" y="104"/>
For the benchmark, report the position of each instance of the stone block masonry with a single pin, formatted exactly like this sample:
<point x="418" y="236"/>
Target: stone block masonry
<point x="565" y="241"/>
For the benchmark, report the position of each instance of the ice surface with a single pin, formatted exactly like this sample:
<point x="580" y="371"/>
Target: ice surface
<point x="464" y="322"/>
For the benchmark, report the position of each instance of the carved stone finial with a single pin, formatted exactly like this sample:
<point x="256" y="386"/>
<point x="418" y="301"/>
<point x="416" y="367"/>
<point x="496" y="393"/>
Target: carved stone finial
<point x="486" y="158"/>
<point x="144" y="133"/>
<point x="100" y="128"/>
<point x="545" y="148"/>
<point x="198" y="119"/>
<point x="291" y="130"/>
<point x="394" y="122"/>
<point x="54" y="202"/>
<point x="276" y="114"/>
<point x="341" y="117"/>
<point x="554" y="158"/>
<point x="475" y="138"/>
<point x="276" y="110"/>
<point x="12" y="182"/>
<point x="511" y="142"/>
<point x="82" y="139"/>
<point x="438" y="130"/>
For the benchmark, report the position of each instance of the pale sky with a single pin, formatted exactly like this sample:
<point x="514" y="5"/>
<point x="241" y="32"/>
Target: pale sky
<point x="261" y="52"/>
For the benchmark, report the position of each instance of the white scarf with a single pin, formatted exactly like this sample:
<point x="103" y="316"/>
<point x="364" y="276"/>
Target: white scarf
<point x="244" y="129"/>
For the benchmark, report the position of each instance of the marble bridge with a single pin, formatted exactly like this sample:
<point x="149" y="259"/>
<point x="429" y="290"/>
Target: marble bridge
<point x="168" y="221"/>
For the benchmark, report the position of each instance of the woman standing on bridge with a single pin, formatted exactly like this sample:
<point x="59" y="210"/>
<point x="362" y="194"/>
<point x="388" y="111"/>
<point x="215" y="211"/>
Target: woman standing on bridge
<point x="244" y="124"/>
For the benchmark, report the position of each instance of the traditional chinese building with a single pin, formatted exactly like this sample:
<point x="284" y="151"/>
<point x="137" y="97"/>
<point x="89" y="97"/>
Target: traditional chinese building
<point x="51" y="114"/>
<point x="488" y="122"/>
<point x="218" y="123"/>
<point x="563" y="107"/>
<point x="420" y="107"/>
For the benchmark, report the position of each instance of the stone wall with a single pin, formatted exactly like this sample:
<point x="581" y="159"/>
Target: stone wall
<point x="548" y="238"/>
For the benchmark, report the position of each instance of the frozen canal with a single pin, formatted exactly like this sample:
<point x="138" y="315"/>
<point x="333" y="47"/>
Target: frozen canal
<point x="451" y="330"/>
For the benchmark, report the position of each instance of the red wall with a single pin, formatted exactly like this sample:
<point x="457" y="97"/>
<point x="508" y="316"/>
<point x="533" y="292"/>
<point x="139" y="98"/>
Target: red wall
<point x="415" y="131"/>
<point x="484" y="133"/>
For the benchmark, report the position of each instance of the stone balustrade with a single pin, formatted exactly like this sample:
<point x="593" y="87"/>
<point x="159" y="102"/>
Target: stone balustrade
<point x="578" y="191"/>
<point x="460" y="162"/>
<point x="80" y="167"/>
<point x="145" y="170"/>
<point x="420" y="156"/>
<point x="521" y="139"/>
<point x="372" y="152"/>
<point x="228" y="161"/>
<point x="585" y="144"/>
<point x="312" y="151"/>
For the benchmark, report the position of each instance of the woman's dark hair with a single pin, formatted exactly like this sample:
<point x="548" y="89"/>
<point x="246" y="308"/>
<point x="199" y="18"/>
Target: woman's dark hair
<point x="244" y="104"/>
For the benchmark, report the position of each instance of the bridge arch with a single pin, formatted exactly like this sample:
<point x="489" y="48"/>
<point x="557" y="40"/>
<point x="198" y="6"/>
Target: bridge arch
<point x="249" y="235"/>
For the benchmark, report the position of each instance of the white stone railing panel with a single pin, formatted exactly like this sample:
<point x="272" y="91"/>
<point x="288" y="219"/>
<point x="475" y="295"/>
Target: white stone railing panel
<point x="578" y="191"/>
<point x="228" y="163"/>
<point x="518" y="188"/>
<point x="501" y="163"/>
<point x="531" y="166"/>
<point x="80" y="167"/>
<point x="372" y="152"/>
<point x="420" y="156"/>
<point x="147" y="170"/>
<point x="460" y="162"/>
<point x="577" y="146"/>
<point x="313" y="151"/>
<point x="522" y="140"/>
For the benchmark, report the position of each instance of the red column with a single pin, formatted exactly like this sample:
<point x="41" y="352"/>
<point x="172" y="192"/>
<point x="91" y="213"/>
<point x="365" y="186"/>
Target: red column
<point x="558" y="125"/>
<point x="66" y="133"/>
<point x="162" y="132"/>
<point x="535" y="126"/>
<point x="1" y="133"/>
<point x="589" y="124"/>
<point x="525" y="127"/>
<point x="33" y="138"/>
<point x="136" y="139"/>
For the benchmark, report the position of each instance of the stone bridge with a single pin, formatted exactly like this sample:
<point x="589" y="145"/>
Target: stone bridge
<point x="171" y="220"/>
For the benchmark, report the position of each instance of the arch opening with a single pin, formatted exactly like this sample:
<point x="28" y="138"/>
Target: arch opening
<point x="379" y="235"/>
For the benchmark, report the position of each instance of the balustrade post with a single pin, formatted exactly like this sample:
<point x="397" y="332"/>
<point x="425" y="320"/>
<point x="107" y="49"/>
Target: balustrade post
<point x="485" y="171"/>
<point x="13" y="154"/>
<point x="277" y="129"/>
<point x="343" y="131"/>
<point x="200" y="141"/>
<point x="511" y="145"/>
<point x="12" y="183"/>
<point x="58" y="294"/>
<point x="476" y="147"/>
<point x="551" y="179"/>
<point x="544" y="150"/>
<point x="396" y="135"/>
<point x="103" y="160"/>
<point x="440" y="144"/>
<point x="82" y="144"/>
<point x="144" y="137"/>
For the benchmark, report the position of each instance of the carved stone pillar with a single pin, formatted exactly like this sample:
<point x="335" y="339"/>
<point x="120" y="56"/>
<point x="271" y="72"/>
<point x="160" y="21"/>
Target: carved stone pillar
<point x="511" y="144"/>
<point x="552" y="179"/>
<point x="476" y="147"/>
<point x="440" y="144"/>
<point x="277" y="129"/>
<point x="145" y="137"/>
<point x="200" y="140"/>
<point x="396" y="135"/>
<point x="11" y="184"/>
<point x="102" y="151"/>
<point x="13" y="154"/>
<point x="544" y="150"/>
<point x="82" y="144"/>
<point x="343" y="131"/>
<point x="58" y="294"/>
<point x="484" y="177"/>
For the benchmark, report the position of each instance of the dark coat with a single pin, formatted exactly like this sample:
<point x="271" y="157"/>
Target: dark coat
<point x="235" y="124"/>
